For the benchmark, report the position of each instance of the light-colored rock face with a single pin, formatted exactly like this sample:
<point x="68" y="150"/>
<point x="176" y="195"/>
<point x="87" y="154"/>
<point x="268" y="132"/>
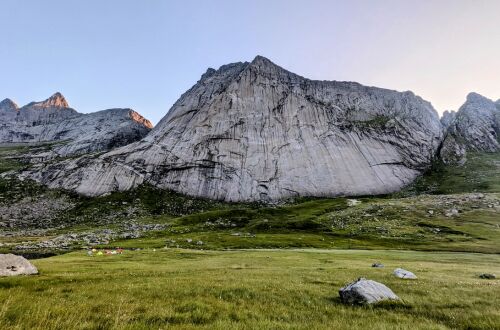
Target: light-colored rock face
<point x="476" y="127"/>
<point x="8" y="107"/>
<point x="54" y="120"/>
<point x="254" y="131"/>
<point x="404" y="274"/>
<point x="102" y="130"/>
<point x="365" y="291"/>
<point x="12" y="265"/>
<point x="8" y="110"/>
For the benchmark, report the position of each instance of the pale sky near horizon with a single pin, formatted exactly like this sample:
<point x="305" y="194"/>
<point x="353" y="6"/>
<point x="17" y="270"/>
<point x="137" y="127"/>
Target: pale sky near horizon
<point x="144" y="54"/>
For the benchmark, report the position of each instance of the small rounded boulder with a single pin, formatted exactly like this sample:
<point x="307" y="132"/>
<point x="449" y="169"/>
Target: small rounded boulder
<point x="12" y="265"/>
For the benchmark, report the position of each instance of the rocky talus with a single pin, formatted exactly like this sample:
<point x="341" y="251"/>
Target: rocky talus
<point x="53" y="120"/>
<point x="474" y="127"/>
<point x="256" y="132"/>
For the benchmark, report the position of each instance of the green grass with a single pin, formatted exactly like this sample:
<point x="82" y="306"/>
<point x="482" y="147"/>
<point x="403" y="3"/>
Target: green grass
<point x="7" y="162"/>
<point x="265" y="289"/>
<point x="379" y="121"/>
<point x="375" y="223"/>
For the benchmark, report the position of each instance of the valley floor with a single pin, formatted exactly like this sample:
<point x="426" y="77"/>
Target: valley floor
<point x="253" y="289"/>
<point x="191" y="263"/>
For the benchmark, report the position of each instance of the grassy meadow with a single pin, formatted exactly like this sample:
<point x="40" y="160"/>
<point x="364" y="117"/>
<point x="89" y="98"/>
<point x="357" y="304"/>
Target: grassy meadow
<point x="264" y="289"/>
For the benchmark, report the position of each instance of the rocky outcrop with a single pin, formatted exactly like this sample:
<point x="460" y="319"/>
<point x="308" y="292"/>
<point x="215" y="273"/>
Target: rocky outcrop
<point x="12" y="265"/>
<point x="98" y="131"/>
<point x="53" y="120"/>
<point x="475" y="127"/>
<point x="365" y="291"/>
<point x="254" y="131"/>
<point x="8" y="110"/>
<point x="448" y="118"/>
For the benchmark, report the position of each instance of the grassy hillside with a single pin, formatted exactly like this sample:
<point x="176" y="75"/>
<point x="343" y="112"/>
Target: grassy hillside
<point x="481" y="173"/>
<point x="374" y="223"/>
<point x="418" y="218"/>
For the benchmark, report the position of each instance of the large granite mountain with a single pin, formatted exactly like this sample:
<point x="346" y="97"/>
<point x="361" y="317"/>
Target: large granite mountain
<point x="475" y="127"/>
<point x="54" y="120"/>
<point x="254" y="131"/>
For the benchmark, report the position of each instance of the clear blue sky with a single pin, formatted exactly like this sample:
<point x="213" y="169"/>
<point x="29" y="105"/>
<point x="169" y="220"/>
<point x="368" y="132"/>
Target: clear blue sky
<point x="145" y="54"/>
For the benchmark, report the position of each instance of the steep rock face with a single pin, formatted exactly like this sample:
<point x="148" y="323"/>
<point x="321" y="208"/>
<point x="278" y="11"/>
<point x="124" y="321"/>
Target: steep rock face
<point x="54" y="120"/>
<point x="254" y="131"/>
<point x="101" y="130"/>
<point x="476" y="127"/>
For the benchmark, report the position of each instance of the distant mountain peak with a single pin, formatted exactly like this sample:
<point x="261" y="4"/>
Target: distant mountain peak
<point x="265" y="66"/>
<point x="137" y="117"/>
<point x="477" y="103"/>
<point x="473" y="96"/>
<point x="263" y="62"/>
<point x="448" y="118"/>
<point x="473" y="127"/>
<point x="8" y="104"/>
<point x="262" y="59"/>
<point x="57" y="100"/>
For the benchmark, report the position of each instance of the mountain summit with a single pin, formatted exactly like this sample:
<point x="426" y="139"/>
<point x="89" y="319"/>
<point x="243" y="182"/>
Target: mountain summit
<point x="8" y="105"/>
<point x="57" y="100"/>
<point x="257" y="132"/>
<point x="53" y="120"/>
<point x="474" y="127"/>
<point x="8" y="110"/>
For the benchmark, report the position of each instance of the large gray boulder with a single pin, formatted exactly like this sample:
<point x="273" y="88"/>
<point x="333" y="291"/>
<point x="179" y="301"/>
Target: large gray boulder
<point x="365" y="291"/>
<point x="12" y="265"/>
<point x="475" y="127"/>
<point x="256" y="132"/>
<point x="53" y="120"/>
